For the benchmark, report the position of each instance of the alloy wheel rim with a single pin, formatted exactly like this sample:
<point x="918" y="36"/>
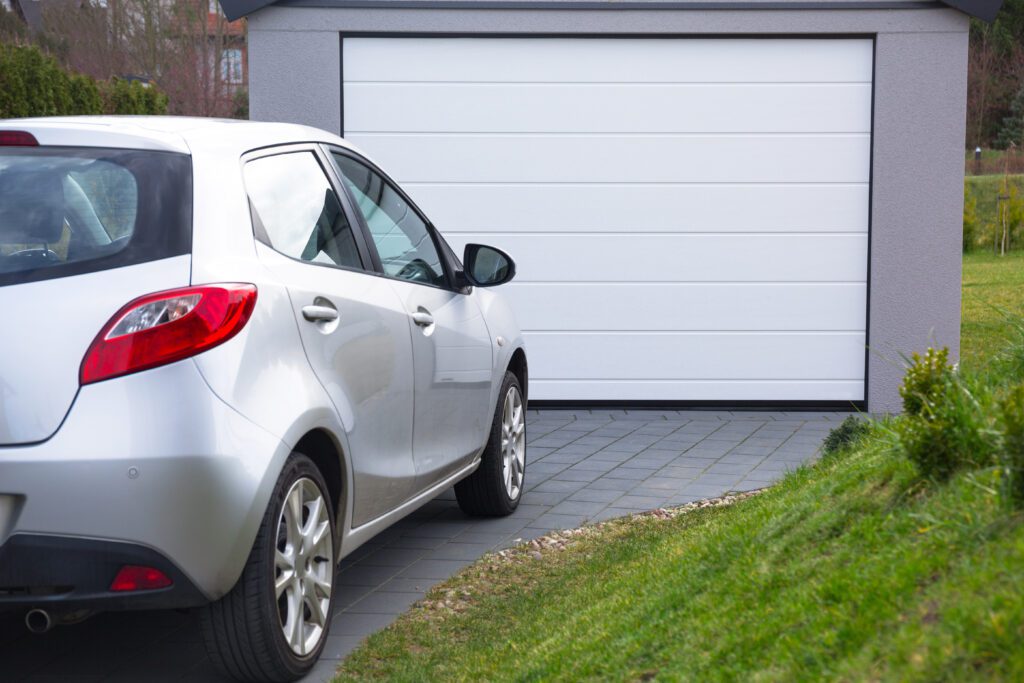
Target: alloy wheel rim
<point x="304" y="566"/>
<point x="513" y="443"/>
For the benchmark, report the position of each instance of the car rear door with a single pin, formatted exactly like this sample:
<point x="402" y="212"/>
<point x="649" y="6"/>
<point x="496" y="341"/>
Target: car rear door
<point x="451" y="345"/>
<point x="353" y="326"/>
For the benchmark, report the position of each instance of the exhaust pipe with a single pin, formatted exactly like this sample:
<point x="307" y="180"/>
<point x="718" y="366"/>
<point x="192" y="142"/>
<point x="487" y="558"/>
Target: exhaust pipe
<point x="38" y="621"/>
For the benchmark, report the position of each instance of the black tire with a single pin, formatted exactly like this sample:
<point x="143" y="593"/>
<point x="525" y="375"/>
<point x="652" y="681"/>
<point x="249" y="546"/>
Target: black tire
<point x="242" y="630"/>
<point x="483" y="493"/>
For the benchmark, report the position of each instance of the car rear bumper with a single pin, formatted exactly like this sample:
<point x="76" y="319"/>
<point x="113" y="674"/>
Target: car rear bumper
<point x="153" y="461"/>
<point x="63" y="573"/>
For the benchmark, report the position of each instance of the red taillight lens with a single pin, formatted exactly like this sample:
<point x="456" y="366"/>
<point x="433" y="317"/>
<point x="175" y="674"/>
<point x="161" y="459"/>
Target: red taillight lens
<point x="164" y="327"/>
<point x="17" y="138"/>
<point x="132" y="578"/>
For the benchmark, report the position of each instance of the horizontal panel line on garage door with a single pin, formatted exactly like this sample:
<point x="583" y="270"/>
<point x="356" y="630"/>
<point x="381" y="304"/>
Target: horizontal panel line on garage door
<point x="631" y="183"/>
<point x="858" y="134"/>
<point x="782" y="158"/>
<point x="697" y="391"/>
<point x="759" y="283"/>
<point x="693" y="332"/>
<point x="631" y="84"/>
<point x="652" y="233"/>
<point x="704" y="357"/>
<point x="592" y="380"/>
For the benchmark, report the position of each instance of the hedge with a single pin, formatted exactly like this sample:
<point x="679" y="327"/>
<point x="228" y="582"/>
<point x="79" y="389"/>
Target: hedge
<point x="33" y="84"/>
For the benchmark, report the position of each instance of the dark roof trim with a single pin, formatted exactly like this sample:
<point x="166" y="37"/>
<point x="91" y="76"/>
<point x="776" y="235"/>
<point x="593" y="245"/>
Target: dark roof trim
<point x="982" y="9"/>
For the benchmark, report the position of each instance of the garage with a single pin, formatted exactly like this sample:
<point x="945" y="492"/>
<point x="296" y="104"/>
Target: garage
<point x="689" y="216"/>
<point x="711" y="202"/>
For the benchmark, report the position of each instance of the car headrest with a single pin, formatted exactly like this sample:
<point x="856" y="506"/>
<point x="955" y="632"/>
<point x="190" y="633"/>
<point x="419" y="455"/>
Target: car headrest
<point x="31" y="207"/>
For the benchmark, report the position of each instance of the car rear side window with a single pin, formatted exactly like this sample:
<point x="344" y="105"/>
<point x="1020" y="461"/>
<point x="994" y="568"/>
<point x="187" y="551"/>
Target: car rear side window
<point x="69" y="211"/>
<point x="297" y="211"/>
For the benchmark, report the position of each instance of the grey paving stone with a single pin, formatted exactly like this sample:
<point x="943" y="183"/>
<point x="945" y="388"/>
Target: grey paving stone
<point x="639" y="502"/>
<point x="381" y="602"/>
<point x="552" y="522"/>
<point x="612" y="484"/>
<point x="577" y="507"/>
<point x="591" y="495"/>
<point x="352" y="624"/>
<point x="552" y="486"/>
<point x="432" y="569"/>
<point x="633" y="472"/>
<point x="576" y="475"/>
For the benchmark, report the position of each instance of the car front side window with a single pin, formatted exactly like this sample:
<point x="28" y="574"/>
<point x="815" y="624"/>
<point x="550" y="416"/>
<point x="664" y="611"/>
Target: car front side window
<point x="403" y="241"/>
<point x="298" y="211"/>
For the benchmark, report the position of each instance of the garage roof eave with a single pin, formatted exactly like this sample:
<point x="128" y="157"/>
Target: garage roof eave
<point x="982" y="9"/>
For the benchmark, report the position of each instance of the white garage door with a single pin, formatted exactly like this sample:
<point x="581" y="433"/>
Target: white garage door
<point x="689" y="216"/>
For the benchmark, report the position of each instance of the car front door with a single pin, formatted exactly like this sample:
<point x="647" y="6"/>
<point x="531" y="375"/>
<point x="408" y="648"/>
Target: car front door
<point x="353" y="326"/>
<point x="452" y="352"/>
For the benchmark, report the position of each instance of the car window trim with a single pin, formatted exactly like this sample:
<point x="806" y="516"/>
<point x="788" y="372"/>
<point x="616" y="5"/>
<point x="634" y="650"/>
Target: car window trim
<point x="443" y="259"/>
<point x="327" y="167"/>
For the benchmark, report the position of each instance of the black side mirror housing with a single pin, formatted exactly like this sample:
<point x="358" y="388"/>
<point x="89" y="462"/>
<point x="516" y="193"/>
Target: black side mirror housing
<point x="487" y="266"/>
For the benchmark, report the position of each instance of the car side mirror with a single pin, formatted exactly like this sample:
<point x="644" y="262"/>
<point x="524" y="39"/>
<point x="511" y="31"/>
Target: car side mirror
<point x="486" y="266"/>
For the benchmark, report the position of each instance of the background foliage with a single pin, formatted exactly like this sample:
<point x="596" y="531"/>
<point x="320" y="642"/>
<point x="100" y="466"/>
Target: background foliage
<point x="34" y="84"/>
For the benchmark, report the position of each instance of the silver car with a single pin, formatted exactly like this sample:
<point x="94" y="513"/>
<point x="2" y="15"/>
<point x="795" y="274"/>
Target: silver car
<point x="230" y="354"/>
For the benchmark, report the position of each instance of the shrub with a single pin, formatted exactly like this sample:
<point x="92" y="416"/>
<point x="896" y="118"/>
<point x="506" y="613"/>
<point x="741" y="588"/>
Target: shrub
<point x="1012" y="456"/>
<point x="131" y="97"/>
<point x="945" y="428"/>
<point x="925" y="380"/>
<point x="845" y="435"/>
<point x="32" y="83"/>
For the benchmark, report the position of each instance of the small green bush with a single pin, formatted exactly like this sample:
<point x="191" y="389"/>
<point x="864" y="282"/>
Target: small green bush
<point x="925" y="380"/>
<point x="945" y="428"/>
<point x="845" y="435"/>
<point x="1012" y="456"/>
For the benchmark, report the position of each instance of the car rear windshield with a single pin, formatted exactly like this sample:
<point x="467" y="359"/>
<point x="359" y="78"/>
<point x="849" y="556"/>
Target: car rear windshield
<point x="67" y="211"/>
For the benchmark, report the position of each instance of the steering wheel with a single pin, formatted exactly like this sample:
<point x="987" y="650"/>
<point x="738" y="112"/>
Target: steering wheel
<point x="32" y="258"/>
<point x="416" y="270"/>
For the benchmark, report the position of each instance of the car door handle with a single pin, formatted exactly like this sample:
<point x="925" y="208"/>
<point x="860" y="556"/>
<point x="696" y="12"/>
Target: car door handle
<point x="319" y="314"/>
<point x="423" y="319"/>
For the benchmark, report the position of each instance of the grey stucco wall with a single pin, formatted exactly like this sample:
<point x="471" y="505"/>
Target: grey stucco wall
<point x="919" y="124"/>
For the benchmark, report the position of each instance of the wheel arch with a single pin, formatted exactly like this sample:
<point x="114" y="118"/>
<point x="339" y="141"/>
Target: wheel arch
<point x="518" y="366"/>
<point x="320" y="446"/>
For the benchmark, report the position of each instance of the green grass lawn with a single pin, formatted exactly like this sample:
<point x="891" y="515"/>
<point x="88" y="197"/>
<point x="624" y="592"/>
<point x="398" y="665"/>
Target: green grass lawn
<point x="993" y="286"/>
<point x="855" y="568"/>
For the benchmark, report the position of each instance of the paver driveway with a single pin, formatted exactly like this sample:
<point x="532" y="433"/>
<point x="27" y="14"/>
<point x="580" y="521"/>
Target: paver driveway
<point x="583" y="466"/>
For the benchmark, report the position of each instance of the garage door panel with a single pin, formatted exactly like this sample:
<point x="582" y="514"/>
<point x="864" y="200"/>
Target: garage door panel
<point x="616" y="158"/>
<point x="533" y="207"/>
<point x="687" y="307"/>
<point x="603" y="258"/>
<point x="608" y="108"/>
<point x="697" y="390"/>
<point x="689" y="217"/>
<point x="697" y="355"/>
<point x="487" y="60"/>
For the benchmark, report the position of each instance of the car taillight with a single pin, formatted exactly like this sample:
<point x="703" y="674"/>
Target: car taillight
<point x="17" y="138"/>
<point x="133" y="578"/>
<point x="165" y="327"/>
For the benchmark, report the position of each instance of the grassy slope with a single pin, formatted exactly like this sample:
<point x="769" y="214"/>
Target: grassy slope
<point x="852" y="569"/>
<point x="837" y="572"/>
<point x="992" y="284"/>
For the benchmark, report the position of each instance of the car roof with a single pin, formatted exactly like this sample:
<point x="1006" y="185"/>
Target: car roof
<point x="184" y="134"/>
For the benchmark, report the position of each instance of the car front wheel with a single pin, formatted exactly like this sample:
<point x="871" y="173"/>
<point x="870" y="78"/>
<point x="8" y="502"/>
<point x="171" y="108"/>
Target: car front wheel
<point x="496" y="487"/>
<point x="274" y="622"/>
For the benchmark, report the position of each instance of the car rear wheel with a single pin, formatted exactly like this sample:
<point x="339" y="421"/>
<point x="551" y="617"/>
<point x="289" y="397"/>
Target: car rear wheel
<point x="274" y="622"/>
<point x="496" y="487"/>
